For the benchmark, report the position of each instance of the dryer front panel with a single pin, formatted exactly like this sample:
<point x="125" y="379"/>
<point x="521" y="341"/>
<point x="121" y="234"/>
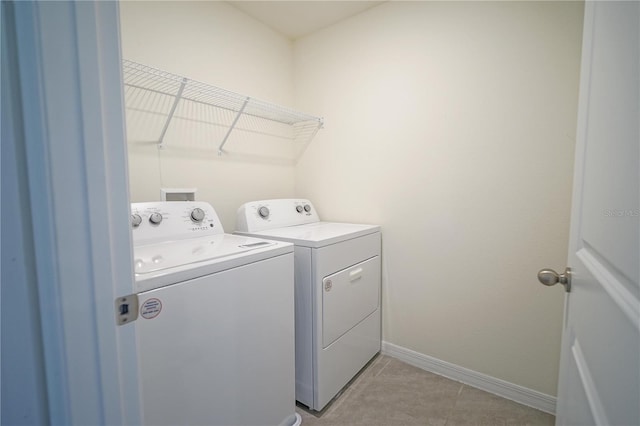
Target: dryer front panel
<point x="348" y="297"/>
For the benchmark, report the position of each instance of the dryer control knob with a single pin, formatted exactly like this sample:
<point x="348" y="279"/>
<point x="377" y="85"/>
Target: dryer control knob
<point x="263" y="212"/>
<point x="136" y="220"/>
<point x="197" y="215"/>
<point x="155" y="218"/>
<point x="299" y="209"/>
<point x="307" y="208"/>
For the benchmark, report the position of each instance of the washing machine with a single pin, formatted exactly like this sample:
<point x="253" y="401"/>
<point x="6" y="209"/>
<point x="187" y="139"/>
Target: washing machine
<point x="337" y="292"/>
<point x="214" y="318"/>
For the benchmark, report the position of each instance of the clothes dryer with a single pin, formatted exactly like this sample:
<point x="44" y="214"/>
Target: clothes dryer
<point x="214" y="323"/>
<point x="337" y="292"/>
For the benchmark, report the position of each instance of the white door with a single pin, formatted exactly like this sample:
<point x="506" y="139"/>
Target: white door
<point x="600" y="363"/>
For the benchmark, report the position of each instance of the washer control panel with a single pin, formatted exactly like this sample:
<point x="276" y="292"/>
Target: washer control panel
<point x="277" y="213"/>
<point x="171" y="220"/>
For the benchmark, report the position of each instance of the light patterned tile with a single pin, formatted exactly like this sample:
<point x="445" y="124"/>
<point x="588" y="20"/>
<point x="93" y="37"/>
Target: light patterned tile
<point x="389" y="392"/>
<point x="478" y="408"/>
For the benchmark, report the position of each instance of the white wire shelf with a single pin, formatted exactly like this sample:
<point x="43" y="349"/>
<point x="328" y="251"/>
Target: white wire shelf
<point x="166" y="108"/>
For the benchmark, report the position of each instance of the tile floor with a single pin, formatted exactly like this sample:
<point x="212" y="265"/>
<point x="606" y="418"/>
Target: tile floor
<point x="389" y="392"/>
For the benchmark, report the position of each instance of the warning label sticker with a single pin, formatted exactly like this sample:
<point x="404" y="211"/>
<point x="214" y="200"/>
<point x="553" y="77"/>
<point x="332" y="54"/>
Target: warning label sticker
<point x="150" y="308"/>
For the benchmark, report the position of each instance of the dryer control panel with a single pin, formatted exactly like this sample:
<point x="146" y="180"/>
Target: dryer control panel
<point x="173" y="220"/>
<point x="277" y="213"/>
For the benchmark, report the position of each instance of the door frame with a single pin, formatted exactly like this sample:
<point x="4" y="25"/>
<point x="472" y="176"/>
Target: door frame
<point x="70" y="101"/>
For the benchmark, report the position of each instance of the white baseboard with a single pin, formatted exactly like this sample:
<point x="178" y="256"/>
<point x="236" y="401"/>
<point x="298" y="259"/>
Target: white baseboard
<point x="517" y="393"/>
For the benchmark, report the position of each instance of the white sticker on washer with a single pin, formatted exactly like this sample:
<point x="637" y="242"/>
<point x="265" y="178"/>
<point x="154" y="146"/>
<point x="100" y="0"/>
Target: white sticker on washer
<point x="150" y="308"/>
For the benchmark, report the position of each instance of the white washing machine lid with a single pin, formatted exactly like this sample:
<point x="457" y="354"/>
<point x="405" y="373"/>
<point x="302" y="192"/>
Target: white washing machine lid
<point x="318" y="234"/>
<point x="160" y="264"/>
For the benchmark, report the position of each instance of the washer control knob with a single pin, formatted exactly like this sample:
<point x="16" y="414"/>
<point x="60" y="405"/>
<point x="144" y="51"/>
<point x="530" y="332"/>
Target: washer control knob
<point x="136" y="220"/>
<point x="299" y="209"/>
<point x="197" y="215"/>
<point x="263" y="212"/>
<point x="155" y="218"/>
<point x="307" y="208"/>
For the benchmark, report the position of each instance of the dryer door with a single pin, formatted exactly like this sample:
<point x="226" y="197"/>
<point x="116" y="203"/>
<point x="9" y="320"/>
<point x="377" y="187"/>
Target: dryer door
<point x="348" y="297"/>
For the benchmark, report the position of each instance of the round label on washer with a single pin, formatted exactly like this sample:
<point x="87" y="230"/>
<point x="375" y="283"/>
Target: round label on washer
<point x="150" y="308"/>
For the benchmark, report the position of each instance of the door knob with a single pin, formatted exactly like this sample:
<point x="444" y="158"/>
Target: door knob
<point x="550" y="277"/>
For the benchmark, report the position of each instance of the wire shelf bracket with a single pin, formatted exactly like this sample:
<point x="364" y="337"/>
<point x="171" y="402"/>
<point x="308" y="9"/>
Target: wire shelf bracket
<point x="172" y="111"/>
<point x="233" y="125"/>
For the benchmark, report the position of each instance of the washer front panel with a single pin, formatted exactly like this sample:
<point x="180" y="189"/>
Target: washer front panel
<point x="219" y="349"/>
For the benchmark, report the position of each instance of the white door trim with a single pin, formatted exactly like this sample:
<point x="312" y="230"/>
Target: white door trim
<point x="71" y="93"/>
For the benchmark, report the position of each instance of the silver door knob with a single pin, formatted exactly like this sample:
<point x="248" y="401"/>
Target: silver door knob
<point x="550" y="277"/>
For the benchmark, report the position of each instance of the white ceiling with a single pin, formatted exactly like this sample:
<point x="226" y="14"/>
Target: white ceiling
<point x="296" y="19"/>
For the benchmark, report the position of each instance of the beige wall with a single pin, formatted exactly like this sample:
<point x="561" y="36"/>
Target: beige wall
<point x="452" y="125"/>
<point x="214" y="43"/>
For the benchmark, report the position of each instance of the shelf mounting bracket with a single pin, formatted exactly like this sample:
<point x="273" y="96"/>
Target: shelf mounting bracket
<point x="233" y="125"/>
<point x="172" y="111"/>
